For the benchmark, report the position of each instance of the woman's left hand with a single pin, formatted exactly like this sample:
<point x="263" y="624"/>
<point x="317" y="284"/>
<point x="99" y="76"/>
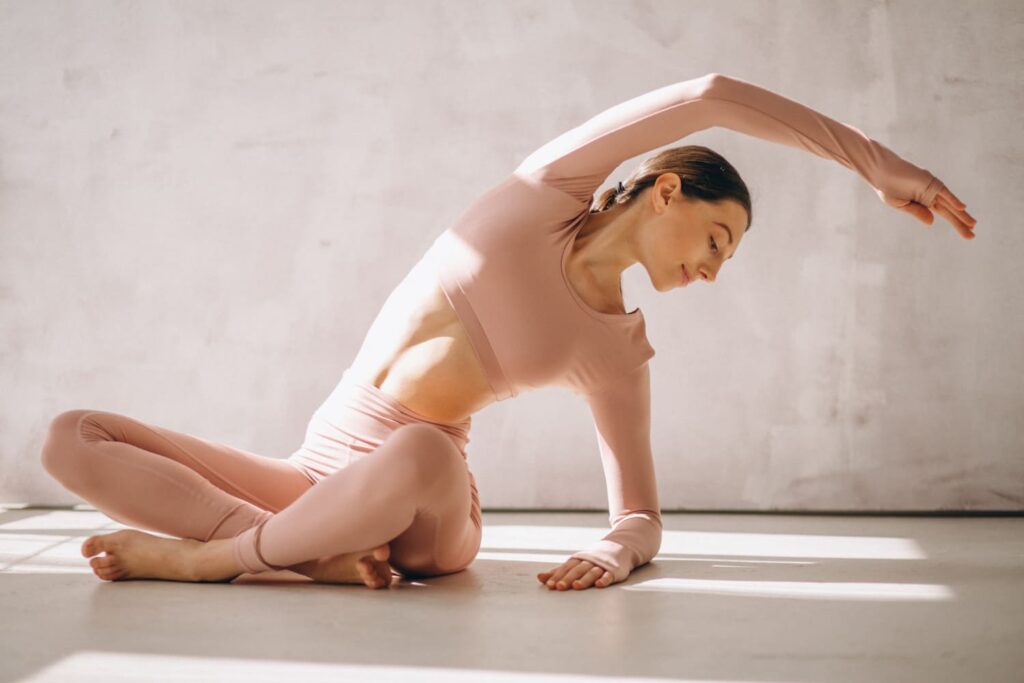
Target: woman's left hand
<point x="945" y="204"/>
<point x="579" y="574"/>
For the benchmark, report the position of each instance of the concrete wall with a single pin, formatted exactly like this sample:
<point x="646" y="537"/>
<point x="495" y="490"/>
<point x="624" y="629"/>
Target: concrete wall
<point x="203" y="206"/>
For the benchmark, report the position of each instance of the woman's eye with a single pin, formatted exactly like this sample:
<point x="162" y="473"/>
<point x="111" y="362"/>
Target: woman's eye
<point x="714" y="247"/>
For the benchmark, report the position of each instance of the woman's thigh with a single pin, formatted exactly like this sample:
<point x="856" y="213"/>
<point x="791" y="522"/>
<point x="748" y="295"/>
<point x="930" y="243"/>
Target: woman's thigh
<point x="268" y="483"/>
<point x="264" y="481"/>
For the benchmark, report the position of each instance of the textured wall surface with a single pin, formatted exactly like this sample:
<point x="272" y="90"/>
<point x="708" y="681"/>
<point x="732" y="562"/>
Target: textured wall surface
<point x="203" y="206"/>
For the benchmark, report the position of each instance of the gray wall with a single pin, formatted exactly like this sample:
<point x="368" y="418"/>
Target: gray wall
<point x="203" y="206"/>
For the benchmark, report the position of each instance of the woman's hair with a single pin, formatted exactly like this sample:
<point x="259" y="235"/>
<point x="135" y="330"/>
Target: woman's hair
<point x="705" y="175"/>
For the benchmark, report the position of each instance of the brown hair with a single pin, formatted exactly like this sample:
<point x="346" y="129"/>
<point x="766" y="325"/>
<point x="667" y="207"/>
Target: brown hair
<point x="705" y="175"/>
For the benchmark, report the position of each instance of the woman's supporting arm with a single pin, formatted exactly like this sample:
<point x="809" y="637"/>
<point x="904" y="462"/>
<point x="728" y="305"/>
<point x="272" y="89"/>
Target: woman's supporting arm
<point x="622" y="420"/>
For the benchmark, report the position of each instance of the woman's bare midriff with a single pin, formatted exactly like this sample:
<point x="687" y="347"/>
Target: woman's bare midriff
<point x="417" y="352"/>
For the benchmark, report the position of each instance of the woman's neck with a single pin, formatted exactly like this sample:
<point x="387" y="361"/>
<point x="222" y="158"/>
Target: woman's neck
<point x="605" y="246"/>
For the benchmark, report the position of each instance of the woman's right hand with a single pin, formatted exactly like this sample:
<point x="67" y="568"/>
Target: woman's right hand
<point x="580" y="574"/>
<point x="946" y="204"/>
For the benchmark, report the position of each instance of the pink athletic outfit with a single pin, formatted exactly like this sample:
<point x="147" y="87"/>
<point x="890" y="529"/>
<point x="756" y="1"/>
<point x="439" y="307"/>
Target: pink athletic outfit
<point x="502" y="266"/>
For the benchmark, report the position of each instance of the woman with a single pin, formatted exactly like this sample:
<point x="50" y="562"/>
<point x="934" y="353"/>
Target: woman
<point x="523" y="291"/>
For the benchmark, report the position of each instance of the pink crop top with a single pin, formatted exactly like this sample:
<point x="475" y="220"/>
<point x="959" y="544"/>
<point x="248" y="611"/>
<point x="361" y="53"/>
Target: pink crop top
<point x="502" y="267"/>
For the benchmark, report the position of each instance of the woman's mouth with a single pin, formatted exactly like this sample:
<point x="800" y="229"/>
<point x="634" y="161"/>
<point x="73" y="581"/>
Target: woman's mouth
<point x="685" y="276"/>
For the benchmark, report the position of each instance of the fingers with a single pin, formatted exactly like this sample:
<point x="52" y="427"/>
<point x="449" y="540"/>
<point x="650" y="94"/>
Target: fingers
<point x="589" y="578"/>
<point x="570" y="577"/>
<point x="948" y="195"/>
<point x="595" y="576"/>
<point x="952" y="209"/>
<point x="955" y="218"/>
<point x="556" y="574"/>
<point x="949" y="207"/>
<point x="958" y="210"/>
<point x="579" y="575"/>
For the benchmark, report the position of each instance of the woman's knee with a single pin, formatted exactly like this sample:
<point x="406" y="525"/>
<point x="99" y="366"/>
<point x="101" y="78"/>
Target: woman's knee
<point x="427" y="450"/>
<point x="59" y="446"/>
<point x="436" y="558"/>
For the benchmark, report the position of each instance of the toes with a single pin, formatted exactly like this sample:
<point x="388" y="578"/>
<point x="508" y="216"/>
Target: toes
<point x="368" y="572"/>
<point x="111" y="574"/>
<point x="365" y="569"/>
<point x="383" y="572"/>
<point x="383" y="575"/>
<point x="105" y="562"/>
<point x="94" y="545"/>
<point x="372" y="573"/>
<point x="107" y="568"/>
<point x="89" y="547"/>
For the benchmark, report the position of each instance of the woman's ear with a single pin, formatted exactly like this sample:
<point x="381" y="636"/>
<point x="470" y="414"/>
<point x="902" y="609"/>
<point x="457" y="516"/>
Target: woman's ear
<point x="664" y="187"/>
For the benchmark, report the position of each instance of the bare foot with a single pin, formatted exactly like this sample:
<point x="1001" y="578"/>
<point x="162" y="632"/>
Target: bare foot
<point x="132" y="554"/>
<point x="368" y="567"/>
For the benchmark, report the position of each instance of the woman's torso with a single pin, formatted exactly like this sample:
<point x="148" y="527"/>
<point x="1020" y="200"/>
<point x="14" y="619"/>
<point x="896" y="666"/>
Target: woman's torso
<point x="417" y="350"/>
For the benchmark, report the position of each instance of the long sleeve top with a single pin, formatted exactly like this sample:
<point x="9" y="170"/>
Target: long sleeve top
<point x="502" y="267"/>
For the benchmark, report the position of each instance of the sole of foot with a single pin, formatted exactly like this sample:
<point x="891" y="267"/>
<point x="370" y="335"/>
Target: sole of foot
<point x="369" y="567"/>
<point x="131" y="554"/>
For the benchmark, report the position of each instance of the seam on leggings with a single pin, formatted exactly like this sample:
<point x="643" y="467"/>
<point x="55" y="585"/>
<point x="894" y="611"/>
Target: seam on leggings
<point x="172" y="481"/>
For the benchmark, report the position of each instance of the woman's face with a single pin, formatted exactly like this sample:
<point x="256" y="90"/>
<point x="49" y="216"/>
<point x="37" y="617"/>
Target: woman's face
<point x="692" y="235"/>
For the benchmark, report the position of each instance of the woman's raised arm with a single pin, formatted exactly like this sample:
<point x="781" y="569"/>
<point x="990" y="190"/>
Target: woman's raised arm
<point x="579" y="160"/>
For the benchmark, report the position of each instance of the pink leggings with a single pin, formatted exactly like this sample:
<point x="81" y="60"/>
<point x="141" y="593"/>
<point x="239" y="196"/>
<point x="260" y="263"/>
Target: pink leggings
<point x="369" y="472"/>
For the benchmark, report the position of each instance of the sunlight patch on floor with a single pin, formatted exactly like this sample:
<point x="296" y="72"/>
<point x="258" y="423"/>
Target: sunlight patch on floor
<point x="115" y="667"/>
<point x="718" y="543"/>
<point x="809" y="590"/>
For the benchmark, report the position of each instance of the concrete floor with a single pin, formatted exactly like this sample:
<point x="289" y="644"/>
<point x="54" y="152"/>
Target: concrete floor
<point x="730" y="598"/>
